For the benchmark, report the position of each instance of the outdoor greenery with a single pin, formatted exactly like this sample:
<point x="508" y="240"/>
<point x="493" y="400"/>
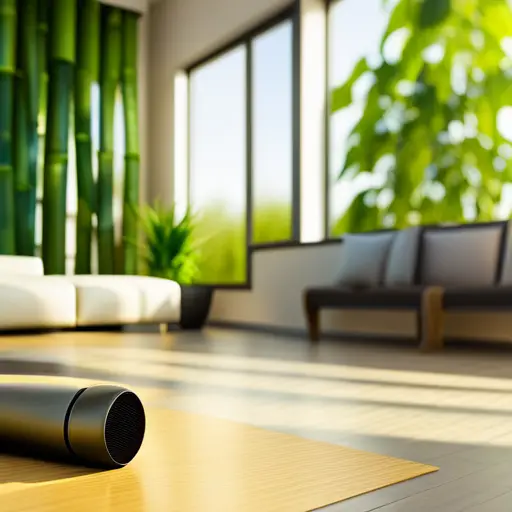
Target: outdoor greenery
<point x="169" y="249"/>
<point x="223" y="245"/>
<point x="272" y="222"/>
<point x="432" y="128"/>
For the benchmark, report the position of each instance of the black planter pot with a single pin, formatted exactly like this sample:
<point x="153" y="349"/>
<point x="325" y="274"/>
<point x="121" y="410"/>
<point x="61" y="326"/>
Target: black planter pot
<point x="195" y="306"/>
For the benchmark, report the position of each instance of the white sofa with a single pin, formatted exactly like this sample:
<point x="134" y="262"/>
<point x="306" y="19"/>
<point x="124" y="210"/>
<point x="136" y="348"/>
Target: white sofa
<point x="32" y="300"/>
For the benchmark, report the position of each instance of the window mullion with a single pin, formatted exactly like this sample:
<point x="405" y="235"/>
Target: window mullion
<point x="249" y="142"/>
<point x="296" y="124"/>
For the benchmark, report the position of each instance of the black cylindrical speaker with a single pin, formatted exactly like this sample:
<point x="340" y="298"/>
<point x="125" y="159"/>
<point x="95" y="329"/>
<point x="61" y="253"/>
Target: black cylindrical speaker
<point x="99" y="426"/>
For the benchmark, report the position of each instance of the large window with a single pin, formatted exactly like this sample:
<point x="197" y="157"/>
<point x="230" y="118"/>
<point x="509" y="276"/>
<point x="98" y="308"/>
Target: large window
<point x="218" y="165"/>
<point x="420" y="130"/>
<point x="241" y="163"/>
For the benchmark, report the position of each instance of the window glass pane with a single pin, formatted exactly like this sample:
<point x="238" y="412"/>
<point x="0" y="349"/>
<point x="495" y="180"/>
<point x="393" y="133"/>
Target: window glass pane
<point x="218" y="165"/>
<point x="272" y="134"/>
<point x="423" y="133"/>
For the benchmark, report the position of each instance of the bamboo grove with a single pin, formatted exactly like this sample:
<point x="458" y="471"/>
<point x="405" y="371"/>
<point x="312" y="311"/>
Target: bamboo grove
<point x="52" y="52"/>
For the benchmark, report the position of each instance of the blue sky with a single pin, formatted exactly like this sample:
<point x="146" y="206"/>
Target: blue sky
<point x="217" y="124"/>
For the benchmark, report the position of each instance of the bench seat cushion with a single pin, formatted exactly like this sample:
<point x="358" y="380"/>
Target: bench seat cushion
<point x="369" y="298"/>
<point x="486" y="297"/>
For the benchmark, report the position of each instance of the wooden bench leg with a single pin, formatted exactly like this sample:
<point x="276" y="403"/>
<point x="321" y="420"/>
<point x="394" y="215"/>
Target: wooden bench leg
<point x="313" y="321"/>
<point x="432" y="319"/>
<point x="313" y="318"/>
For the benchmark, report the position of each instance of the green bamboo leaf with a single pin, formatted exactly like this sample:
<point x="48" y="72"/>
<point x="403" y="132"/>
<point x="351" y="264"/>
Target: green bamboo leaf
<point x="341" y="97"/>
<point x="433" y="12"/>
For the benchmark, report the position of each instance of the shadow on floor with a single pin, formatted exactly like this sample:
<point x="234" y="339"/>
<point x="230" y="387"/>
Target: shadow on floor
<point x="25" y="470"/>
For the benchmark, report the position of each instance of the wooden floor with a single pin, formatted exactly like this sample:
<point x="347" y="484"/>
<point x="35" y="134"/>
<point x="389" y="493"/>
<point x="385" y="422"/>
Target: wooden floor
<point x="452" y="409"/>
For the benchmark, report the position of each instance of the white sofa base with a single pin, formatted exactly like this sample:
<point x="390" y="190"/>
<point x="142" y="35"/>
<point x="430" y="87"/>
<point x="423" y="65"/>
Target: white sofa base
<point x="117" y="300"/>
<point x="31" y="300"/>
<point x="36" y="303"/>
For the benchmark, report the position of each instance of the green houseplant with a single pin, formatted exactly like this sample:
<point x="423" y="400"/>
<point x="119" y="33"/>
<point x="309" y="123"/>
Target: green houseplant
<point x="432" y="112"/>
<point x="170" y="252"/>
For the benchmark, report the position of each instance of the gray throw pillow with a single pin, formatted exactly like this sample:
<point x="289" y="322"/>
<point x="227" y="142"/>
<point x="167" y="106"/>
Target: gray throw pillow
<point x="403" y="258"/>
<point x="364" y="258"/>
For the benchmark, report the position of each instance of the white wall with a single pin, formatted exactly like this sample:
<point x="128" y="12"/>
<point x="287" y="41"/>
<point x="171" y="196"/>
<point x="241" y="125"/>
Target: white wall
<point x="275" y="300"/>
<point x="182" y="31"/>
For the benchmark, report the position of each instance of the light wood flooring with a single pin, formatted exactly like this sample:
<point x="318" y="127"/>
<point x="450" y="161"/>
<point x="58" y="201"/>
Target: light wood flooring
<point x="451" y="409"/>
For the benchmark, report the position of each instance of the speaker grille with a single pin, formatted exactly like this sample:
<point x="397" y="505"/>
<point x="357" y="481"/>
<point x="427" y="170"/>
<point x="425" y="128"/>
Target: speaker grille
<point x="124" y="428"/>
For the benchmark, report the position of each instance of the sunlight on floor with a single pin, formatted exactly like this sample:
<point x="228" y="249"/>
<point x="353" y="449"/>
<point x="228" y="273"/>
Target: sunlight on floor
<point x="342" y="399"/>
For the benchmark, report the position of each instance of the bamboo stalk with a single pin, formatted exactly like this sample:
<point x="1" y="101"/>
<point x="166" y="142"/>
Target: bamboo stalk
<point x="132" y="156"/>
<point x="86" y="74"/>
<point x="61" y="68"/>
<point x="42" y="63"/>
<point x="25" y="127"/>
<point x="7" y="71"/>
<point x="110" y="67"/>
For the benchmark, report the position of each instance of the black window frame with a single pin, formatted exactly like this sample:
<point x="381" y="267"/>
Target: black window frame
<point x="327" y="191"/>
<point x="292" y="14"/>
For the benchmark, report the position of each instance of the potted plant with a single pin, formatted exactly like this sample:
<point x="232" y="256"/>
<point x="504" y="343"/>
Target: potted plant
<point x="170" y="252"/>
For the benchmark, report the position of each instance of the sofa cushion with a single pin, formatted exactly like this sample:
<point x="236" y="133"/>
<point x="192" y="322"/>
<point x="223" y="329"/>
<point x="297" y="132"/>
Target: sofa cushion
<point x="37" y="302"/>
<point x="118" y="300"/>
<point x="21" y="266"/>
<point x="466" y="256"/>
<point x="364" y="259"/>
<point x="402" y="264"/>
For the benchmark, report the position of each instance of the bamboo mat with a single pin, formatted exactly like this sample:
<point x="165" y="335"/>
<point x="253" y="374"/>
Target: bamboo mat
<point x="190" y="462"/>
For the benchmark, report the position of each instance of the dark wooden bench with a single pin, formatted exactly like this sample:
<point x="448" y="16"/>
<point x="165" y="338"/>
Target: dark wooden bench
<point x="428" y="270"/>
